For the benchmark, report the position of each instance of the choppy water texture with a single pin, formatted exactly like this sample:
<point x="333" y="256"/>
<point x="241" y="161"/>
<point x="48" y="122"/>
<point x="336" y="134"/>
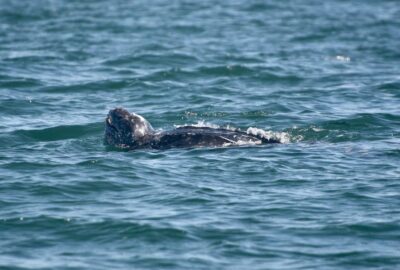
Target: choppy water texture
<point x="326" y="73"/>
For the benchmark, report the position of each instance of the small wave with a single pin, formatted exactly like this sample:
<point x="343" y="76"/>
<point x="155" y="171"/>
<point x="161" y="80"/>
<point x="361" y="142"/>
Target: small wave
<point x="61" y="132"/>
<point x="95" y="229"/>
<point x="352" y="128"/>
<point x="228" y="70"/>
<point x="19" y="82"/>
<point x="363" y="121"/>
<point x="151" y="59"/>
<point x="101" y="85"/>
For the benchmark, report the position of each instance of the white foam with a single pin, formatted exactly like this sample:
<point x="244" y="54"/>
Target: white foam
<point x="317" y="129"/>
<point x="342" y="58"/>
<point x="283" y="137"/>
<point x="240" y="143"/>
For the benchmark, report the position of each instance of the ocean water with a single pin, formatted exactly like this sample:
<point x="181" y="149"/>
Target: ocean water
<point x="323" y="74"/>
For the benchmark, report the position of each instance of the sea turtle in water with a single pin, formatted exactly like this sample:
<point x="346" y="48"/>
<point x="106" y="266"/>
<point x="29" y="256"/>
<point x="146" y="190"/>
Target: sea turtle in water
<point x="131" y="131"/>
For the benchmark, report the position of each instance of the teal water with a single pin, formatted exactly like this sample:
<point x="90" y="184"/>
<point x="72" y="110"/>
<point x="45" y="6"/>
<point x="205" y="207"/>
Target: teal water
<point x="324" y="74"/>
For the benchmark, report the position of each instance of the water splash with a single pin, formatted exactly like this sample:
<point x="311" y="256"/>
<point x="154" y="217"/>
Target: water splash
<point x="283" y="137"/>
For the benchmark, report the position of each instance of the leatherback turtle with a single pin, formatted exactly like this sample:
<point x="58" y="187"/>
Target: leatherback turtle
<point x="131" y="131"/>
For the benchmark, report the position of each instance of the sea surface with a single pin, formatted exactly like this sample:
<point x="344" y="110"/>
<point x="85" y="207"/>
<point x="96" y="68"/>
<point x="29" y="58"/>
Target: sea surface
<point x="322" y="75"/>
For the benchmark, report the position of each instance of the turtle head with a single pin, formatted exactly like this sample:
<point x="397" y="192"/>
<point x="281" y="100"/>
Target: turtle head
<point x="126" y="130"/>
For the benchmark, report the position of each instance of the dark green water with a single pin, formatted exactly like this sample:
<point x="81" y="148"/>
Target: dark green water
<point x="325" y="75"/>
